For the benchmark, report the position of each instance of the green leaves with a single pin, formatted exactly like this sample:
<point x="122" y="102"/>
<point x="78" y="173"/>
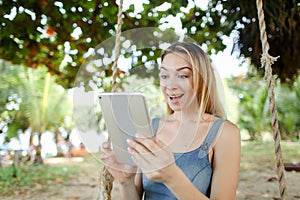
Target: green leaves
<point x="39" y="102"/>
<point x="288" y="101"/>
<point x="254" y="110"/>
<point x="35" y="33"/>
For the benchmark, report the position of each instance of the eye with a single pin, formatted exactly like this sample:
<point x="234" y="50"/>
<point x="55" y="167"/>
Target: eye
<point x="182" y="76"/>
<point x="162" y="76"/>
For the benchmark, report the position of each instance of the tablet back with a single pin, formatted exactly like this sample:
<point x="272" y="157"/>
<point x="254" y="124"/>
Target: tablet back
<point x="125" y="114"/>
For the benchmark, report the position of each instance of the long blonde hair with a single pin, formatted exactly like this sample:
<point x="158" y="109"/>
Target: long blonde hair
<point x="204" y="80"/>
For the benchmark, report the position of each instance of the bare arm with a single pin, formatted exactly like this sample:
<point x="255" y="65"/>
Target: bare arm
<point x="125" y="175"/>
<point x="159" y="166"/>
<point x="131" y="189"/>
<point x="226" y="165"/>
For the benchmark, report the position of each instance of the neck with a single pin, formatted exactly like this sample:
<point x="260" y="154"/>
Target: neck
<point x="185" y="116"/>
<point x="192" y="115"/>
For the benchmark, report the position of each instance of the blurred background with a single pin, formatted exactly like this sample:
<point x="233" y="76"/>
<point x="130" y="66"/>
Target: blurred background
<point x="44" y="44"/>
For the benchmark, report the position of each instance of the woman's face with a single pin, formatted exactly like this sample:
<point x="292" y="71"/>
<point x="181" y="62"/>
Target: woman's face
<point x="176" y="82"/>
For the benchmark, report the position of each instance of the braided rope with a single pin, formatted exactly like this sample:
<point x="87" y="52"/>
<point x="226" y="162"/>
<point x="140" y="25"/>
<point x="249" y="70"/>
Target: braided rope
<point x="267" y="61"/>
<point x="117" y="47"/>
<point x="106" y="179"/>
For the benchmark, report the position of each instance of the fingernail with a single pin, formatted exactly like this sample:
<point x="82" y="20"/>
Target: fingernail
<point x="128" y="141"/>
<point x="104" y="144"/>
<point x="129" y="150"/>
<point x="103" y="156"/>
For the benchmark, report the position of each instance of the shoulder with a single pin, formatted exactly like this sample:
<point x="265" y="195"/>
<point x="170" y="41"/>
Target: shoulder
<point x="230" y="127"/>
<point x="227" y="146"/>
<point x="228" y="135"/>
<point x="226" y="162"/>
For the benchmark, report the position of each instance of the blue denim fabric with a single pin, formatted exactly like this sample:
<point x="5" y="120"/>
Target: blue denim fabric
<point x="195" y="164"/>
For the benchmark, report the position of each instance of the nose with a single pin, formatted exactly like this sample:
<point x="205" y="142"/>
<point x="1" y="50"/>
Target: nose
<point x="169" y="83"/>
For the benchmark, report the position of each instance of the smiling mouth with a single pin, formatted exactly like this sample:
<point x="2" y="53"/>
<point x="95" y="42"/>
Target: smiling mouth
<point x="175" y="97"/>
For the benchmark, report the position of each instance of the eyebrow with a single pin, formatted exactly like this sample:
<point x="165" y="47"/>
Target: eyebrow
<point x="179" y="69"/>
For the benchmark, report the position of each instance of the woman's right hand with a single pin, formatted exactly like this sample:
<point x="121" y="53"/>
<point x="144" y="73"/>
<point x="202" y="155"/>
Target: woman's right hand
<point x="120" y="171"/>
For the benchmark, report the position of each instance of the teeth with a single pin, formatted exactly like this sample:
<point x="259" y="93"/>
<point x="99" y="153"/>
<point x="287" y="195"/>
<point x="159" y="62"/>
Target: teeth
<point x="174" y="97"/>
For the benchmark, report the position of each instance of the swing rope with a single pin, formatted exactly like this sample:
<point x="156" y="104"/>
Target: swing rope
<point x="117" y="47"/>
<point x="106" y="179"/>
<point x="266" y="62"/>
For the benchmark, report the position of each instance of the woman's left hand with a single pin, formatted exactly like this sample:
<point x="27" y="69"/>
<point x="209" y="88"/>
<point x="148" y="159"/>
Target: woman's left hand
<point x="153" y="157"/>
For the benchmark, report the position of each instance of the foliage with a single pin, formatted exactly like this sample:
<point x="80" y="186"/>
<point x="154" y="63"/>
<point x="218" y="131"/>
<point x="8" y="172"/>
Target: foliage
<point x="254" y="110"/>
<point x="22" y="178"/>
<point x="47" y="32"/>
<point x="253" y="105"/>
<point x="11" y="83"/>
<point x="59" y="34"/>
<point x="282" y="25"/>
<point x="39" y="103"/>
<point x="156" y="103"/>
<point x="288" y="101"/>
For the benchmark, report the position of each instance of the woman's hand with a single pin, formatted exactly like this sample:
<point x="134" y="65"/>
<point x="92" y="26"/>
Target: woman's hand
<point x="121" y="172"/>
<point x="153" y="158"/>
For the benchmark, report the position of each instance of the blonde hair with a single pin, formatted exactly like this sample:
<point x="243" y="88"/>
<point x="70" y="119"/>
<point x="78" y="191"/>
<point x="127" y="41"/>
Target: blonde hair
<point x="204" y="80"/>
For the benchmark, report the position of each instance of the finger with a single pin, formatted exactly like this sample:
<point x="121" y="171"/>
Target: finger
<point x="106" y="147"/>
<point x="129" y="169"/>
<point x="162" y="148"/>
<point x="110" y="162"/>
<point x="139" y="135"/>
<point x="160" y="143"/>
<point x="106" y="159"/>
<point x="142" y="161"/>
<point x="148" y="143"/>
<point x="138" y="146"/>
<point x="107" y="156"/>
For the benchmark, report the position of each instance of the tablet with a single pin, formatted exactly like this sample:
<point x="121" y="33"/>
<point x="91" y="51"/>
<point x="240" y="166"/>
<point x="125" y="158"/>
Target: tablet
<point x="125" y="114"/>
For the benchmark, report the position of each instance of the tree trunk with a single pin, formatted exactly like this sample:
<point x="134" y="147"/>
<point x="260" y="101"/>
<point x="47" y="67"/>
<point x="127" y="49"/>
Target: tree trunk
<point x="36" y="156"/>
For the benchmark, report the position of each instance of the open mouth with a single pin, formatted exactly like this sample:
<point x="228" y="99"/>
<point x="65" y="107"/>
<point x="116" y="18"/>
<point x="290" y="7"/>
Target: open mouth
<point x="174" y="97"/>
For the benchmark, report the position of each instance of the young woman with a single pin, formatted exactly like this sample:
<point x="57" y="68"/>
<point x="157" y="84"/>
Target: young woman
<point x="196" y="152"/>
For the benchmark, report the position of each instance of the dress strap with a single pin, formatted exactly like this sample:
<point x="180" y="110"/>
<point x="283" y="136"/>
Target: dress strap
<point x="212" y="133"/>
<point x="155" y="122"/>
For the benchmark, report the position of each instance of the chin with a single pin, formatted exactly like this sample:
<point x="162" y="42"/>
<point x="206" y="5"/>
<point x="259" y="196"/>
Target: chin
<point x="175" y="108"/>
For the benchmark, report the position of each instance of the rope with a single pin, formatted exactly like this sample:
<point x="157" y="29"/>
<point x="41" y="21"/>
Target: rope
<point x="106" y="179"/>
<point x="117" y="47"/>
<point x="266" y="62"/>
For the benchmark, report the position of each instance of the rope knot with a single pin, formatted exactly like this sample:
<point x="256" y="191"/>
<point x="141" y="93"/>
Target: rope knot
<point x="267" y="60"/>
<point x="108" y="177"/>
